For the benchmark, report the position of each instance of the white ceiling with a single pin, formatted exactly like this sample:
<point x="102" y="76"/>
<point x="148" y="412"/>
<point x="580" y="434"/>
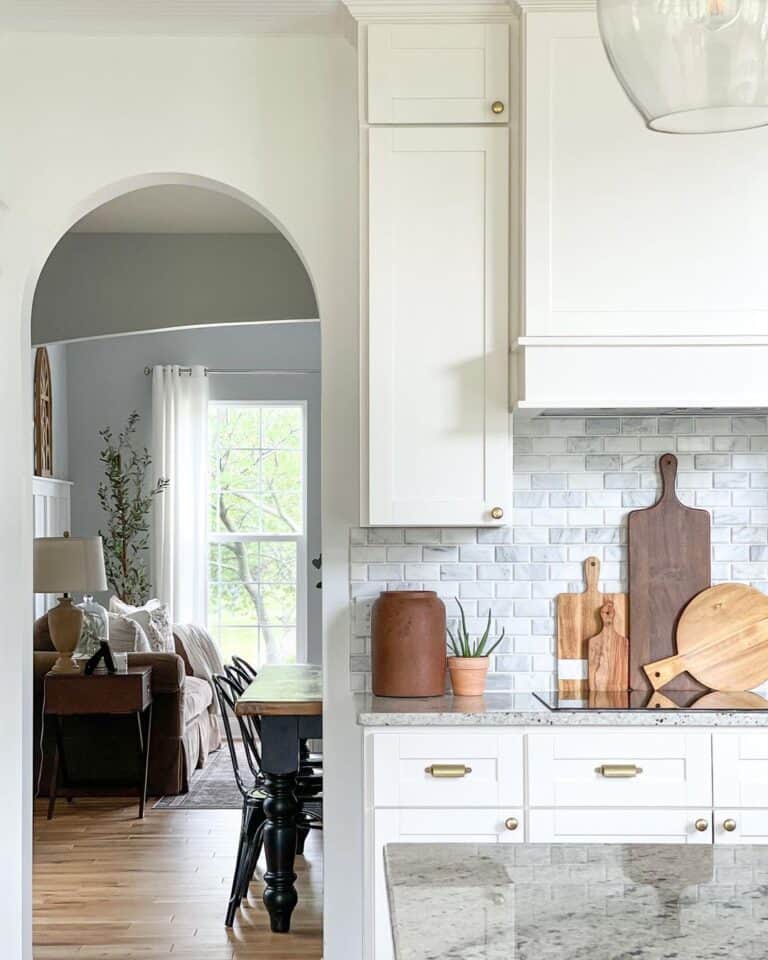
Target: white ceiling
<point x="174" y="209"/>
<point x="207" y="17"/>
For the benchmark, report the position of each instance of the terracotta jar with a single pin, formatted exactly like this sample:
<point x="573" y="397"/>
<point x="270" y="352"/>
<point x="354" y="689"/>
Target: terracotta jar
<point x="408" y="644"/>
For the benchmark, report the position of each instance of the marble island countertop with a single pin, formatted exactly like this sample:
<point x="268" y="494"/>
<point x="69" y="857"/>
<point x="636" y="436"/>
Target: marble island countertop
<point x="525" y="710"/>
<point x="577" y="902"/>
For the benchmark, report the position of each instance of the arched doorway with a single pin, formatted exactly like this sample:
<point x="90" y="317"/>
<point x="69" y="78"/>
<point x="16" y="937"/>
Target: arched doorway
<point x="117" y="196"/>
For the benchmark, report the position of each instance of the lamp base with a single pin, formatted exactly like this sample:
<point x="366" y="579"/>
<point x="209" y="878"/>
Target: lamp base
<point x="65" y="622"/>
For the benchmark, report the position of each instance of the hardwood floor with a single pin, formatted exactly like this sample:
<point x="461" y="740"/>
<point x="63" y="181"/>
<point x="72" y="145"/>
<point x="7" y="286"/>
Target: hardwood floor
<point x="107" y="885"/>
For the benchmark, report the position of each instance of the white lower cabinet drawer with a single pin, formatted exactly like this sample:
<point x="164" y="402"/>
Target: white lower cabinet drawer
<point x="409" y="768"/>
<point x="620" y="769"/>
<point x="741" y="826"/>
<point x="740" y="763"/>
<point x="640" y="825"/>
<point x="431" y="826"/>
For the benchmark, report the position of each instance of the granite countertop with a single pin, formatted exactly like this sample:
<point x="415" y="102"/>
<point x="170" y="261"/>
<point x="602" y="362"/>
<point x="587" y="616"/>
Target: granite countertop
<point x="577" y="902"/>
<point x="524" y="710"/>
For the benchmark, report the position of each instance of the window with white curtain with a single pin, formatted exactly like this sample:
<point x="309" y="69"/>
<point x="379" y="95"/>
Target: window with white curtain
<point x="257" y="530"/>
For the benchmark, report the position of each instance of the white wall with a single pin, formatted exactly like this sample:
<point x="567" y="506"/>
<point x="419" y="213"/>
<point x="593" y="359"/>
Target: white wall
<point x="107" y="382"/>
<point x="272" y="119"/>
<point x="97" y="283"/>
<point x="57" y="358"/>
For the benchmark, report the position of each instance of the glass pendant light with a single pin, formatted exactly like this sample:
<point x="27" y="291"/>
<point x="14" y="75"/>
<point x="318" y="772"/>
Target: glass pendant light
<point x="690" y="66"/>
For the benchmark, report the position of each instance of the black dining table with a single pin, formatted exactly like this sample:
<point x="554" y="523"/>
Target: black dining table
<point x="288" y="699"/>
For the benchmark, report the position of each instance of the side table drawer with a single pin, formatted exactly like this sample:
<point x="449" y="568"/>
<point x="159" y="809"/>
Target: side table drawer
<point x="627" y="769"/>
<point x="447" y="770"/>
<point x="115" y="693"/>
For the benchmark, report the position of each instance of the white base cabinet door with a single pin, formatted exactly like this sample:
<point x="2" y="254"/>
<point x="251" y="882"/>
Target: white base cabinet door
<point x="640" y="825"/>
<point x="431" y="826"/>
<point x="741" y="826"/>
<point x="438" y="421"/>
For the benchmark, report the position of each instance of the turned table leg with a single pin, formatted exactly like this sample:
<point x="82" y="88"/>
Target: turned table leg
<point x="280" y="810"/>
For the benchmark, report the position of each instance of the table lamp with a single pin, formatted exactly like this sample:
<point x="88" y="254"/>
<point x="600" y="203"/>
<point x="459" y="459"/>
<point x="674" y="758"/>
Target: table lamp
<point x="68" y="565"/>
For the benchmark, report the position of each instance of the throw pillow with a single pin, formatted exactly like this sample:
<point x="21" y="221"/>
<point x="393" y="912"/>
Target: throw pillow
<point x="126" y="635"/>
<point x="153" y="618"/>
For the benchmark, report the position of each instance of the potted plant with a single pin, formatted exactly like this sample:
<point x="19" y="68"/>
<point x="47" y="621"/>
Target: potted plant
<point x="469" y="664"/>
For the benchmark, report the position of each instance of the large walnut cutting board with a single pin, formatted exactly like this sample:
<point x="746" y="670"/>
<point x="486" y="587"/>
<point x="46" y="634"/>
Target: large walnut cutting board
<point x="578" y="619"/>
<point x="722" y="640"/>
<point x="669" y="564"/>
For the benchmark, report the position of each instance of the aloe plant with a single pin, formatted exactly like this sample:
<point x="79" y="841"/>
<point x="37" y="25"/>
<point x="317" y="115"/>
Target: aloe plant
<point x="462" y="645"/>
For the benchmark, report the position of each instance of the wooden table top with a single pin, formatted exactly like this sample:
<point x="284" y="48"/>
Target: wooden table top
<point x="284" y="690"/>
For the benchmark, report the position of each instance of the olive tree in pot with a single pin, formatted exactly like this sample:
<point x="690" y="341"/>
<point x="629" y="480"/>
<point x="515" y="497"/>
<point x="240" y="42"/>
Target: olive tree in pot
<point x="468" y="666"/>
<point x="126" y="498"/>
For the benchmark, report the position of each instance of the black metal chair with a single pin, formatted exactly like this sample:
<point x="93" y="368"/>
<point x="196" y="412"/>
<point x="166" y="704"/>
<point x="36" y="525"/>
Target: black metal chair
<point x="252" y="821"/>
<point x="246" y="668"/>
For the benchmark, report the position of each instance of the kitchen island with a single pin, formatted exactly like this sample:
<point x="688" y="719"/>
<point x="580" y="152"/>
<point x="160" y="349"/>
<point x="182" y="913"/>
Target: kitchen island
<point x="577" y="901"/>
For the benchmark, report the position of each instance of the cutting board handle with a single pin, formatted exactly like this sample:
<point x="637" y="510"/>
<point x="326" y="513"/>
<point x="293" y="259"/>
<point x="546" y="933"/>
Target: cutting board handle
<point x="592" y="573"/>
<point x="608" y="614"/>
<point x="668" y="469"/>
<point x="662" y="671"/>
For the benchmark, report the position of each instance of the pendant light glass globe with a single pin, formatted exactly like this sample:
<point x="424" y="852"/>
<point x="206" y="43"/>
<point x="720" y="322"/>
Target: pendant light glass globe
<point x="690" y="66"/>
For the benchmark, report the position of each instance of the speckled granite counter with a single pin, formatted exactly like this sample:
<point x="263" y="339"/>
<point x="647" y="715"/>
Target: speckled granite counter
<point x="524" y="710"/>
<point x="574" y="902"/>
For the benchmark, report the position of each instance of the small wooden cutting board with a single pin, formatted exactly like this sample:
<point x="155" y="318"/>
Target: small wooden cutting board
<point x="608" y="655"/>
<point x="578" y="619"/>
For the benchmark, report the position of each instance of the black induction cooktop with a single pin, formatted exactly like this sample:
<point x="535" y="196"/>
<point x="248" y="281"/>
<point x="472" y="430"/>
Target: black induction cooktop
<point x="667" y="700"/>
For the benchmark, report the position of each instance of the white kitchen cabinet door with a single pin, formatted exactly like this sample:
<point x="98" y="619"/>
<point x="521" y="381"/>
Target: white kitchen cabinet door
<point x="430" y="826"/>
<point x="620" y="826"/>
<point x="627" y="231"/>
<point x="673" y="769"/>
<point x="740" y="769"/>
<point x="401" y="765"/>
<point x="746" y="826"/>
<point x="438" y="420"/>
<point x="438" y="72"/>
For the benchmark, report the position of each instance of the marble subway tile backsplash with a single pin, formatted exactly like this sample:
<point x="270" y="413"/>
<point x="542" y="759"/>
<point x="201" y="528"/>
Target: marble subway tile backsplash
<point x="575" y="479"/>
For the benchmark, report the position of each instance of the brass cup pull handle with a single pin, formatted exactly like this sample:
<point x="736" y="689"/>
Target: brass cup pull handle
<point x="701" y="825"/>
<point x="511" y="823"/>
<point x="497" y="106"/>
<point x="447" y="771"/>
<point x="618" y="771"/>
<point x="729" y="825"/>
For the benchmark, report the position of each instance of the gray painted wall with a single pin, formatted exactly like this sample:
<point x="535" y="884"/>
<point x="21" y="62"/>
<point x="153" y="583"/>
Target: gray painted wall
<point x="98" y="284"/>
<point x="106" y="382"/>
<point x="57" y="357"/>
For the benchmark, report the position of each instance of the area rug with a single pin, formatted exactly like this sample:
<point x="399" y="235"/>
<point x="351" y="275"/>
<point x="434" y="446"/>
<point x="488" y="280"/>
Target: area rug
<point x="212" y="788"/>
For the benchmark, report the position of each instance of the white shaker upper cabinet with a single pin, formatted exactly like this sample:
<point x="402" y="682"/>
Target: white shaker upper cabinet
<point x="438" y="73"/>
<point x="630" y="232"/>
<point x="438" y="421"/>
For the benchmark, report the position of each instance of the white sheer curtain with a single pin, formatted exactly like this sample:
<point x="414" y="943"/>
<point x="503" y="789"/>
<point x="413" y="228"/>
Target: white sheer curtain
<point x="180" y="514"/>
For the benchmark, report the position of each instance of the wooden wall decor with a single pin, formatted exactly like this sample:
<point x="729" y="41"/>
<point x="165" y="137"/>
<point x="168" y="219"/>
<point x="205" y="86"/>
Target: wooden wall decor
<point x="43" y="415"/>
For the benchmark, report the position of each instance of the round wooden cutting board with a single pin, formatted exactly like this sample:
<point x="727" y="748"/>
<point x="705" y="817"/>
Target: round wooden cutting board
<point x="722" y="640"/>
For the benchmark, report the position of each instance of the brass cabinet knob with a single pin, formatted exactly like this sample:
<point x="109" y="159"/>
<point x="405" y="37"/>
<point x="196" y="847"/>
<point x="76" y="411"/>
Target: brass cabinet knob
<point x="497" y="513"/>
<point x="729" y="825"/>
<point x="701" y="825"/>
<point x="497" y="106"/>
<point x="511" y="823"/>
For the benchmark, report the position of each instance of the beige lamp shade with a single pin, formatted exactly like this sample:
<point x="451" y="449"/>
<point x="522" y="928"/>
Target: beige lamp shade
<point x="69" y="565"/>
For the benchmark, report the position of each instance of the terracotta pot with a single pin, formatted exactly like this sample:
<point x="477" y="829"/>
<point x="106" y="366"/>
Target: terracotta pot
<point x="408" y="644"/>
<point x="468" y="675"/>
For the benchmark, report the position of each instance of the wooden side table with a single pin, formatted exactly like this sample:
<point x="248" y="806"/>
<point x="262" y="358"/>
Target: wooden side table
<point x="115" y="694"/>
